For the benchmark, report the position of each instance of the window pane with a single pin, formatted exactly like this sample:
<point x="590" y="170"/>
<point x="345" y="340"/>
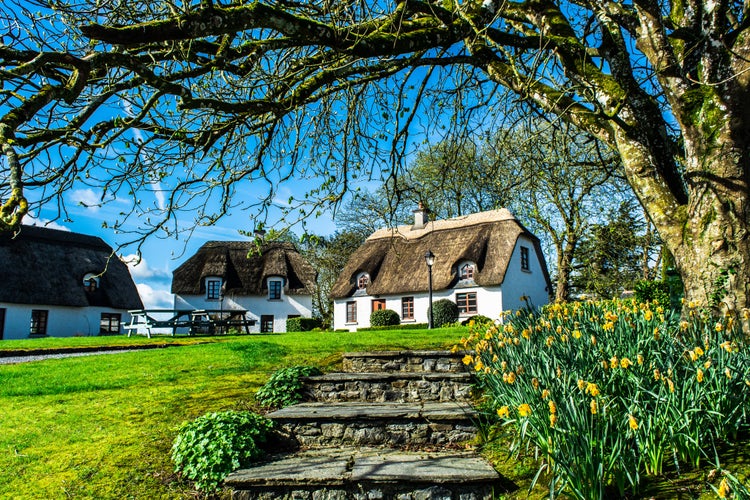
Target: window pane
<point x="213" y="289"/>
<point x="274" y="290"/>
<point x="38" y="322"/>
<point x="351" y="312"/>
<point x="524" y="258"/>
<point x="467" y="303"/>
<point x="407" y="308"/>
<point x="110" y="323"/>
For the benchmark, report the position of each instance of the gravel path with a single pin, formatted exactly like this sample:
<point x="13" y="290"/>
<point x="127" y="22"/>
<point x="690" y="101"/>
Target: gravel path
<point x="9" y="360"/>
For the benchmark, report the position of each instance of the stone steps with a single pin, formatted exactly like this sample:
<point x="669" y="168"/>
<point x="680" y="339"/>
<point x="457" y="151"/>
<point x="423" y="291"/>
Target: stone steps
<point x="377" y="424"/>
<point x="403" y="361"/>
<point x="356" y="436"/>
<point x="389" y="387"/>
<point x="366" y="474"/>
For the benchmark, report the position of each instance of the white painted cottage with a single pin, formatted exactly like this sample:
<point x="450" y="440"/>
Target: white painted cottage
<point x="485" y="262"/>
<point x="271" y="283"/>
<point x="62" y="284"/>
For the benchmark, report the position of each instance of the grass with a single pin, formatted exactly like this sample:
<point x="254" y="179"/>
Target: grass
<point x="102" y="426"/>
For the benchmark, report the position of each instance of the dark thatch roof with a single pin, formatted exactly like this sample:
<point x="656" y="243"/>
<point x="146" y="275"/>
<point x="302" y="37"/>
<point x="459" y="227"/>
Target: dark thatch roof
<point x="47" y="266"/>
<point x="243" y="269"/>
<point x="394" y="258"/>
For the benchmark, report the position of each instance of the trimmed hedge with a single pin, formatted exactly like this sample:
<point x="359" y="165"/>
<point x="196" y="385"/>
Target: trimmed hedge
<point x="445" y="312"/>
<point x="384" y="317"/>
<point x="302" y="324"/>
<point x="407" y="326"/>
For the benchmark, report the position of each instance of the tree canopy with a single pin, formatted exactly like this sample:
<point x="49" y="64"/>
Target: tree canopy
<point x="194" y="98"/>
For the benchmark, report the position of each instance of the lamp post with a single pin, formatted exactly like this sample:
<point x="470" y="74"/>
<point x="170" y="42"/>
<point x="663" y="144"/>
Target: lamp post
<point x="429" y="258"/>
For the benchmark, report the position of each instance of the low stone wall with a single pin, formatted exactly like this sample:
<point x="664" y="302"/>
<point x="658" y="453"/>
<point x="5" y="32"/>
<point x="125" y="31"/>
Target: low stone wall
<point x="388" y="388"/>
<point x="363" y="433"/>
<point x="404" y="361"/>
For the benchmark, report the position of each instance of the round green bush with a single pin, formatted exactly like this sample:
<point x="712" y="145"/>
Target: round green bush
<point x="210" y="447"/>
<point x="478" y="319"/>
<point x="284" y="387"/>
<point x="650" y="291"/>
<point x="384" y="317"/>
<point x="445" y="312"/>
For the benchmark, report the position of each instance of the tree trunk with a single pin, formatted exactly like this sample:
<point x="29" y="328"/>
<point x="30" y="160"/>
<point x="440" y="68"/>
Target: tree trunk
<point x="564" y="267"/>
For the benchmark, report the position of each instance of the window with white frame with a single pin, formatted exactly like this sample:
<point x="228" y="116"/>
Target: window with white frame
<point x="213" y="288"/>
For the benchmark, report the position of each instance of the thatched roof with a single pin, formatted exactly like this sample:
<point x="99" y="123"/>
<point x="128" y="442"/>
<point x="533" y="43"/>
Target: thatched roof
<point x="243" y="269"/>
<point x="46" y="267"/>
<point x="394" y="258"/>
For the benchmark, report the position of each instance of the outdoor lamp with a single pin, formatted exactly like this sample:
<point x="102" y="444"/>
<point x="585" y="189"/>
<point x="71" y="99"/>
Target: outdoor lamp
<point x="429" y="258"/>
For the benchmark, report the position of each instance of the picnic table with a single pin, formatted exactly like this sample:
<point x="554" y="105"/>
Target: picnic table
<point x="205" y="321"/>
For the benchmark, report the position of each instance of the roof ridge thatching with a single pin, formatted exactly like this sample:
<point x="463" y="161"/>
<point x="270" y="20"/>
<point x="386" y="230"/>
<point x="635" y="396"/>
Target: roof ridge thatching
<point x="394" y="259"/>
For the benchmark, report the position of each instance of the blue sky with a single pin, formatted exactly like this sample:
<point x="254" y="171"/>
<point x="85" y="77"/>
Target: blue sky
<point x="153" y="274"/>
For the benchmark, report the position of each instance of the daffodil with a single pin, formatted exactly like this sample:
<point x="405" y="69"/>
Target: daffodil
<point x="552" y="407"/>
<point x="640" y="359"/>
<point x="625" y="363"/>
<point x="724" y="489"/>
<point x="552" y="420"/>
<point x="524" y="410"/>
<point x="545" y="393"/>
<point x="699" y="375"/>
<point x="632" y="422"/>
<point x="467" y="360"/>
<point x="594" y="407"/>
<point x="503" y="412"/>
<point x="592" y="389"/>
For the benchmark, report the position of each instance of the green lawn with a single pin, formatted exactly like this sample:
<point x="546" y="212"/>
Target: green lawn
<point x="102" y="426"/>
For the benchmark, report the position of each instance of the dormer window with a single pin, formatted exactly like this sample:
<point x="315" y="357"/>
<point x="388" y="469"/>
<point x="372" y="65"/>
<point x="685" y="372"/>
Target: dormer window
<point x="466" y="271"/>
<point x="213" y="288"/>
<point x="363" y="281"/>
<point x="91" y="282"/>
<point x="274" y="289"/>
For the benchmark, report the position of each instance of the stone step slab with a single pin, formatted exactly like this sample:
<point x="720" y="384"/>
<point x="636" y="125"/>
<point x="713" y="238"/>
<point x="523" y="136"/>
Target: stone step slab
<point x="360" y="474"/>
<point x="404" y="361"/>
<point x="377" y="424"/>
<point x="388" y="387"/>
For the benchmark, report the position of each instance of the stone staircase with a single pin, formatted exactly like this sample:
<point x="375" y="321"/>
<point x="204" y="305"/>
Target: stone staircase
<point x="392" y="426"/>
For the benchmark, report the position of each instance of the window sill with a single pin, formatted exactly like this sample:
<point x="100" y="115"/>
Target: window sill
<point x="274" y="300"/>
<point x="351" y="324"/>
<point x="527" y="271"/>
<point x="408" y="320"/>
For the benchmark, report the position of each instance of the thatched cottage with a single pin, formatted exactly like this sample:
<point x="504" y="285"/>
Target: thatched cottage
<point x="271" y="285"/>
<point x="485" y="262"/>
<point x="61" y="284"/>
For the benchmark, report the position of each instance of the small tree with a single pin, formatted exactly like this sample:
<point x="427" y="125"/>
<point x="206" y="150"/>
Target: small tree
<point x="444" y="312"/>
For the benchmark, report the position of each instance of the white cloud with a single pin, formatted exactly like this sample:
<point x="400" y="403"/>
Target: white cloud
<point x="154" y="298"/>
<point x="31" y="220"/>
<point x="86" y="197"/>
<point x="140" y="270"/>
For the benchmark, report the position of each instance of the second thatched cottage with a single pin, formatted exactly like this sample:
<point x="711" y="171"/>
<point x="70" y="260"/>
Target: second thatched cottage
<point x="270" y="283"/>
<point x="486" y="263"/>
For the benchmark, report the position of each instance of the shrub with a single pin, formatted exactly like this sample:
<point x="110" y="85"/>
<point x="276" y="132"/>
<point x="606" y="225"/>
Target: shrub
<point x="207" y="449"/>
<point x="302" y="324"/>
<point x="633" y="384"/>
<point x="403" y="326"/>
<point x="478" y="319"/>
<point x="384" y="317"/>
<point x="445" y="312"/>
<point x="652" y="291"/>
<point x="284" y="387"/>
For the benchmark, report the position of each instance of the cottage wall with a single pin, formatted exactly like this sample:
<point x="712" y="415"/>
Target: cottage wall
<point x="61" y="321"/>
<point x="299" y="305"/>
<point x="519" y="283"/>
